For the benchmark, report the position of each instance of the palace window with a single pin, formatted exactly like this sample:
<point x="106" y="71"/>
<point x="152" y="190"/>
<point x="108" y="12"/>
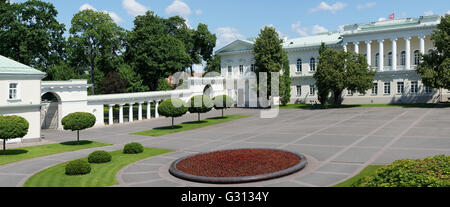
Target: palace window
<point x="377" y="59"/>
<point x="414" y="86"/>
<point x="13" y="91"/>
<point x="400" y="87"/>
<point x="312" y="90"/>
<point x="349" y="93"/>
<point x="241" y="69"/>
<point x="375" y="89"/>
<point x="387" y="88"/>
<point x="299" y="91"/>
<point x="299" y="65"/>
<point x="416" y="57"/>
<point x="428" y="89"/>
<point x="312" y="64"/>
<point x="252" y="67"/>
<point x="390" y="59"/>
<point x="230" y="71"/>
<point x="403" y="58"/>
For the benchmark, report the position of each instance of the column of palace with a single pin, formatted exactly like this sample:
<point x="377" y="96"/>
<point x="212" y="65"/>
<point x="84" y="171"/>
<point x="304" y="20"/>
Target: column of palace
<point x="130" y="111"/>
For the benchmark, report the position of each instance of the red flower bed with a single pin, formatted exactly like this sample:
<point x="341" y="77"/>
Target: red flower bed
<point x="238" y="163"/>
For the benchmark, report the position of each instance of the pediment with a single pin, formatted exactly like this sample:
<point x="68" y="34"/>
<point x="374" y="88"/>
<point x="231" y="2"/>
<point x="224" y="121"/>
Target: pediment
<point x="237" y="45"/>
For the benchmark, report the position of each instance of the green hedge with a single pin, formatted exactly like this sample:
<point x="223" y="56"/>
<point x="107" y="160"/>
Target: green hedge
<point x="428" y="172"/>
<point x="133" y="148"/>
<point x="78" y="167"/>
<point x="99" y="157"/>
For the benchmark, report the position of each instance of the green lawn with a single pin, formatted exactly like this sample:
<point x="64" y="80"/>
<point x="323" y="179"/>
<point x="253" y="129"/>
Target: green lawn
<point x="308" y="106"/>
<point x="189" y="125"/>
<point x="101" y="174"/>
<point x="369" y="170"/>
<point x="18" y="154"/>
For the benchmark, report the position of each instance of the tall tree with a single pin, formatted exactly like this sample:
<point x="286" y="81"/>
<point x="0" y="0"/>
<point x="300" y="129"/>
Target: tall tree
<point x="435" y="66"/>
<point x="153" y="51"/>
<point x="270" y="57"/>
<point x="30" y="33"/>
<point x="339" y="70"/>
<point x="95" y="43"/>
<point x="213" y="64"/>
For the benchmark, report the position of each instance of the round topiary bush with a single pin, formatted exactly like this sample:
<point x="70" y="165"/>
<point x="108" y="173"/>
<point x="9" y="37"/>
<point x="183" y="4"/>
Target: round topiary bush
<point x="428" y="172"/>
<point x="12" y="127"/>
<point x="78" y="121"/>
<point x="78" y="167"/>
<point x="133" y="148"/>
<point x="223" y="102"/>
<point x="99" y="157"/>
<point x="200" y="104"/>
<point x="172" y="108"/>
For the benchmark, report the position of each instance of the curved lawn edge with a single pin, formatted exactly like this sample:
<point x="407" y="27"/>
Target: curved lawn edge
<point x="26" y="153"/>
<point x="101" y="174"/>
<point x="369" y="170"/>
<point x="185" y="126"/>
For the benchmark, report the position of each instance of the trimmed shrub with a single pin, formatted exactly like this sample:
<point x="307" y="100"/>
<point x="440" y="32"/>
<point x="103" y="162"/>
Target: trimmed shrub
<point x="133" y="148"/>
<point x="200" y="104"/>
<point x="172" y="108"/>
<point x="99" y="157"/>
<point x="12" y="127"/>
<point x="78" y="167"/>
<point x="78" y="121"/>
<point x="428" y="172"/>
<point x="223" y="102"/>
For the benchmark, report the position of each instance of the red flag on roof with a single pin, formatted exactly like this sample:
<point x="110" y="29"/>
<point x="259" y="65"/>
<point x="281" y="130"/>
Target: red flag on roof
<point x="392" y="16"/>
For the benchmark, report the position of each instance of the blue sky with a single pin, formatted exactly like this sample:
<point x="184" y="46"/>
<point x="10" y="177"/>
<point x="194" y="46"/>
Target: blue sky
<point x="232" y="19"/>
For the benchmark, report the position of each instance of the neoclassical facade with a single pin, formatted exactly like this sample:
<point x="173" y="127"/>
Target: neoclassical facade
<point x="392" y="49"/>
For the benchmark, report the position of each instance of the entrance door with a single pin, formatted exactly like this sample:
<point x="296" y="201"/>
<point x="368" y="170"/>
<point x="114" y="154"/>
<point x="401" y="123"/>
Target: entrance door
<point x="50" y="111"/>
<point x="241" y="98"/>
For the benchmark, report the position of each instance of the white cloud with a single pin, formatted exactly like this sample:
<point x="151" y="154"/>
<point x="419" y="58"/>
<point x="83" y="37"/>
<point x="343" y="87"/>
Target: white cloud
<point x="428" y="13"/>
<point x="318" y="29"/>
<point x="87" y="6"/>
<point x="366" y="5"/>
<point x="381" y="19"/>
<point x="307" y="31"/>
<point x="226" y="35"/>
<point x="113" y="15"/>
<point x="134" y="8"/>
<point x="323" y="6"/>
<point x="198" y="12"/>
<point x="178" y="8"/>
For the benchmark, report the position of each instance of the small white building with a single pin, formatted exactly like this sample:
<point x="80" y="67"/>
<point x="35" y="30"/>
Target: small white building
<point x="20" y="95"/>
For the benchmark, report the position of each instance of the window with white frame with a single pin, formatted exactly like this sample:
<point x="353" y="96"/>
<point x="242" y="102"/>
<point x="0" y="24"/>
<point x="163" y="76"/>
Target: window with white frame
<point x="312" y="90"/>
<point x="416" y="57"/>
<point x="252" y="67"/>
<point x="230" y="71"/>
<point x="428" y="89"/>
<point x="13" y="91"/>
<point x="299" y="91"/>
<point x="400" y="87"/>
<point x="312" y="64"/>
<point x="299" y="65"/>
<point x="403" y="58"/>
<point x="414" y="86"/>
<point x="241" y="69"/>
<point x="377" y="59"/>
<point x="375" y="89"/>
<point x="387" y="88"/>
<point x="390" y="59"/>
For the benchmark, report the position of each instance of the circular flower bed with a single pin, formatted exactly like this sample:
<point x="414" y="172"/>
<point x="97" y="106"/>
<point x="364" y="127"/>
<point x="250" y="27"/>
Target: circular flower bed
<point x="237" y="166"/>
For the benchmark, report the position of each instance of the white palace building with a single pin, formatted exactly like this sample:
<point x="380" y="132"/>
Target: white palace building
<point x="391" y="48"/>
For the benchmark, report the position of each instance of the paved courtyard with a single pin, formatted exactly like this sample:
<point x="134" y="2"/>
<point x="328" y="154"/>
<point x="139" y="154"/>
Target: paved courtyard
<point x="338" y="143"/>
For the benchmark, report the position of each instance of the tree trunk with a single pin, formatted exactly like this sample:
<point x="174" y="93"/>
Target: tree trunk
<point x="222" y="113"/>
<point x="441" y="99"/>
<point x="172" y="122"/>
<point x="198" y="117"/>
<point x="192" y="71"/>
<point x="4" y="146"/>
<point x="78" y="137"/>
<point x="337" y="98"/>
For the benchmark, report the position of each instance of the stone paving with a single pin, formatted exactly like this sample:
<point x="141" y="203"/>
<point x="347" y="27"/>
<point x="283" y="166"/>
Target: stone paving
<point x="338" y="143"/>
